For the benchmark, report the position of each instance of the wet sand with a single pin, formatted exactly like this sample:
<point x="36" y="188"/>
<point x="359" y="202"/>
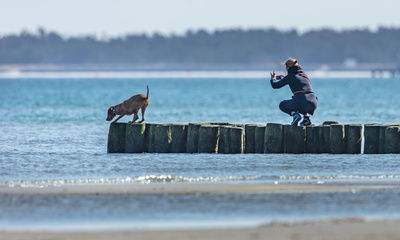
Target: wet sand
<point x="194" y="188"/>
<point x="355" y="229"/>
<point x="349" y="228"/>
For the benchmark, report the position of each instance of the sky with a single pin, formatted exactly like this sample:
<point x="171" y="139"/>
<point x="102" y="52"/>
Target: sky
<point x="107" y="18"/>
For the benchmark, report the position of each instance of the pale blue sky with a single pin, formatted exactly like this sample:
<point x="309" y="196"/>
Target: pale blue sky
<point x="119" y="17"/>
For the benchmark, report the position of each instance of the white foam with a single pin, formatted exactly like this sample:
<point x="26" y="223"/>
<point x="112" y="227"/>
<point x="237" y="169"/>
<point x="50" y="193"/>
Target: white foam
<point x="341" y="177"/>
<point x="127" y="180"/>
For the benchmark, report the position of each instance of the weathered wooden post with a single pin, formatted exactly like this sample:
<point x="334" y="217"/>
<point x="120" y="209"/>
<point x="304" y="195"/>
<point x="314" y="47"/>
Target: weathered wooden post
<point x="224" y="140"/>
<point x="382" y="130"/>
<point x="178" y="138"/>
<point x="294" y="139"/>
<point x="161" y="139"/>
<point x="354" y="137"/>
<point x="135" y="138"/>
<point x="208" y="139"/>
<point x="392" y="139"/>
<point x="324" y="139"/>
<point x="346" y="133"/>
<point x="116" y="138"/>
<point x="259" y="134"/>
<point x="312" y="139"/>
<point x="148" y="136"/>
<point x="324" y="136"/>
<point x="371" y="139"/>
<point x="249" y="138"/>
<point x="273" y="138"/>
<point x="192" y="138"/>
<point x="236" y="139"/>
<point x="337" y="139"/>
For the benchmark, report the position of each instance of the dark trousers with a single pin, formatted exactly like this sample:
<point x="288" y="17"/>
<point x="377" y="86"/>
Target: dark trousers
<point x="303" y="103"/>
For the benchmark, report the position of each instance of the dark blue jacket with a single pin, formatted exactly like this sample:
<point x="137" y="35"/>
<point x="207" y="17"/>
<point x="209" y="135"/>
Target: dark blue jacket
<point x="297" y="80"/>
<point x="304" y="99"/>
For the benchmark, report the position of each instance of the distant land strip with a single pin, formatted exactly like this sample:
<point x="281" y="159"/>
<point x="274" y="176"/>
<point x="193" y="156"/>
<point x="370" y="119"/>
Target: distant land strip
<point x="232" y="47"/>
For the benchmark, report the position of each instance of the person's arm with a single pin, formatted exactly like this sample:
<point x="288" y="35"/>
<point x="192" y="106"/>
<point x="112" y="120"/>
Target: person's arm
<point x="282" y="81"/>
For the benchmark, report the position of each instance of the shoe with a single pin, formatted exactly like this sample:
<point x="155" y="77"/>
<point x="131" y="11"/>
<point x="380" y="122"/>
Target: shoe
<point x="296" y="118"/>
<point x="306" y="121"/>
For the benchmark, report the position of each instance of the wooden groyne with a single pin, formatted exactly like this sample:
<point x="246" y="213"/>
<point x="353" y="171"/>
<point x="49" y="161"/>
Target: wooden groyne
<point x="331" y="137"/>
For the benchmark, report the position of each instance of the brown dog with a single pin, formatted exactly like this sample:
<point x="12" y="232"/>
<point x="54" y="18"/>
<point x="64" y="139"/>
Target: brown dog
<point x="132" y="105"/>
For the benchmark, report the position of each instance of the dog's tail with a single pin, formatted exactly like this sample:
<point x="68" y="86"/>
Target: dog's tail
<point x="147" y="95"/>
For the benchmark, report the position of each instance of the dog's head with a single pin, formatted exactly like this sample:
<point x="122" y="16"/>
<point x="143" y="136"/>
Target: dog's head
<point x="111" y="113"/>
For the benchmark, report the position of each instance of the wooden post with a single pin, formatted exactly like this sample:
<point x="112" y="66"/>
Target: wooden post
<point x="273" y="138"/>
<point x="148" y="136"/>
<point x="192" y="138"/>
<point x="224" y="140"/>
<point x="259" y="134"/>
<point x="337" y="139"/>
<point x="249" y="138"/>
<point x="392" y="139"/>
<point x="161" y="135"/>
<point x="116" y="138"/>
<point x="208" y="139"/>
<point x="371" y="139"/>
<point x="135" y="138"/>
<point x="324" y="145"/>
<point x="236" y="139"/>
<point x="178" y="138"/>
<point x="382" y="130"/>
<point x="294" y="139"/>
<point x="312" y="139"/>
<point x="354" y="137"/>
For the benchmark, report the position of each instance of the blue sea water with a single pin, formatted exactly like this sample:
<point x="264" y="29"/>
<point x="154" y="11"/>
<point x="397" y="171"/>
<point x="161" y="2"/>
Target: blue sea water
<point x="53" y="132"/>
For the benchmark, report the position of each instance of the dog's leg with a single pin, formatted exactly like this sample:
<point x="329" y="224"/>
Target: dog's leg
<point x="118" y="118"/>
<point x="135" y="117"/>
<point x="143" y="110"/>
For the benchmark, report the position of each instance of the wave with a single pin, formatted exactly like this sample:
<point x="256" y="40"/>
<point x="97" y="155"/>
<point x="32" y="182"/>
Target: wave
<point x="126" y="180"/>
<point x="181" y="179"/>
<point x="342" y="177"/>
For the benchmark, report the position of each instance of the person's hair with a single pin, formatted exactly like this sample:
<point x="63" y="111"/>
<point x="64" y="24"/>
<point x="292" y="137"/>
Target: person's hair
<point x="291" y="62"/>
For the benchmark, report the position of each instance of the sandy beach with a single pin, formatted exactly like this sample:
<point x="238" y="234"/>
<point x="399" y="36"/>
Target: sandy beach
<point x="194" y="188"/>
<point x="346" y="228"/>
<point x="350" y="228"/>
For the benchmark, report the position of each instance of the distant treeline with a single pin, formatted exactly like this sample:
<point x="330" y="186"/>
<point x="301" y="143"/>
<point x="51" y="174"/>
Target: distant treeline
<point x="225" y="46"/>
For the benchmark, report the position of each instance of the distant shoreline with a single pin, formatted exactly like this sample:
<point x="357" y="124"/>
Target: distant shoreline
<point x="187" y="70"/>
<point x="177" y="74"/>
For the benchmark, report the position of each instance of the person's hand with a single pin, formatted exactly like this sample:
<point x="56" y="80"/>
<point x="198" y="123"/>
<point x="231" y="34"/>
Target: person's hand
<point x="273" y="75"/>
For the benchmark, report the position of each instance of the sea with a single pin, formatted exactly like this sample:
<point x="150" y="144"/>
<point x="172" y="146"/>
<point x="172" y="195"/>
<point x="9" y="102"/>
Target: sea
<point x="53" y="132"/>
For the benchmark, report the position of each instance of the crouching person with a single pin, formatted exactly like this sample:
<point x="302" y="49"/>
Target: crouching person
<point x="304" y="101"/>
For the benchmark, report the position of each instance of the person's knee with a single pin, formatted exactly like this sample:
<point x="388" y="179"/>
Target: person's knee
<point x="284" y="107"/>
